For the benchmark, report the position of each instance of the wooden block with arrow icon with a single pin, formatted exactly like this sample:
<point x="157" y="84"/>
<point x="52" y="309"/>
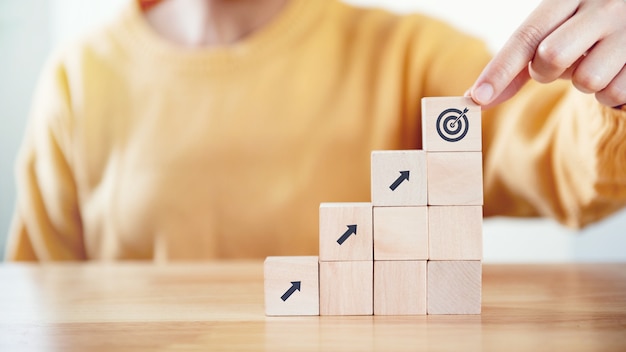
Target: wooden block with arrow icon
<point x="345" y="231"/>
<point x="401" y="233"/>
<point x="291" y="285"/>
<point x="399" y="178"/>
<point x="451" y="124"/>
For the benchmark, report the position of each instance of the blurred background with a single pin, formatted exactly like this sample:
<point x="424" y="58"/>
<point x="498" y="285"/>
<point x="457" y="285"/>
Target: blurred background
<point x="31" y="29"/>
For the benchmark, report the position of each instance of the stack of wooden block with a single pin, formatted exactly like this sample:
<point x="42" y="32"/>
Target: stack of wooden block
<point x="416" y="248"/>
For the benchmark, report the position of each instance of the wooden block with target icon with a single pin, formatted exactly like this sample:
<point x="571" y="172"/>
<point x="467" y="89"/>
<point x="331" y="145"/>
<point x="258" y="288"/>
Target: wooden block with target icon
<point x="451" y="124"/>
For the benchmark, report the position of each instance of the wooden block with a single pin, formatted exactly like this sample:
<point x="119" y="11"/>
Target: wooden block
<point x="455" y="178"/>
<point x="455" y="232"/>
<point x="401" y="233"/>
<point x="346" y="288"/>
<point x="451" y="124"/>
<point x="400" y="287"/>
<point x="454" y="287"/>
<point x="346" y="231"/>
<point x="291" y="285"/>
<point x="399" y="178"/>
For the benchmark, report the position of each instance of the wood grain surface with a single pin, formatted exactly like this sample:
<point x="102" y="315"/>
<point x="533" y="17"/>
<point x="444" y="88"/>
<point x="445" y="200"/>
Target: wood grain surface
<point x="219" y="307"/>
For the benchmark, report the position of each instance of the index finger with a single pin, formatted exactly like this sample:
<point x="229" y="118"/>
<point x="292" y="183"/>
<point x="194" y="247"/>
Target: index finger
<point x="520" y="49"/>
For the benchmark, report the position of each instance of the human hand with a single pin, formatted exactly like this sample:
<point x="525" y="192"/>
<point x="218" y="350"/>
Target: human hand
<point x="581" y="40"/>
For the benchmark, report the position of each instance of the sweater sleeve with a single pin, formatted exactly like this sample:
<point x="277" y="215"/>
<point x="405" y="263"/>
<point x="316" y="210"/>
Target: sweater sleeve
<point x="555" y="152"/>
<point x="46" y="223"/>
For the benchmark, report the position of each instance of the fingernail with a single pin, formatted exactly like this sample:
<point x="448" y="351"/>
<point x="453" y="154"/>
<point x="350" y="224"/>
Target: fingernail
<point x="483" y="93"/>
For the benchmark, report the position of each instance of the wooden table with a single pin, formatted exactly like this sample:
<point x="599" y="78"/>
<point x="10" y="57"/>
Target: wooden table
<point x="219" y="306"/>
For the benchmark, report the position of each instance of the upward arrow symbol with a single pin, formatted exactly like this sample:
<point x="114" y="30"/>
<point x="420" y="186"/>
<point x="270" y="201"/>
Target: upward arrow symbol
<point x="404" y="175"/>
<point x="351" y="231"/>
<point x="295" y="285"/>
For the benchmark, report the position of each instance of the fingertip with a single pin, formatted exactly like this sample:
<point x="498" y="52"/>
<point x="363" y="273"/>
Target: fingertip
<point x="482" y="94"/>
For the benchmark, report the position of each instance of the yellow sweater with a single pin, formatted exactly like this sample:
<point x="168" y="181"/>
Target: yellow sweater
<point x="137" y="149"/>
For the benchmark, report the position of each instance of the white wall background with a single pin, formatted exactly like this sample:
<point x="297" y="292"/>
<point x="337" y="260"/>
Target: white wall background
<point x="30" y="29"/>
<point x="24" y="43"/>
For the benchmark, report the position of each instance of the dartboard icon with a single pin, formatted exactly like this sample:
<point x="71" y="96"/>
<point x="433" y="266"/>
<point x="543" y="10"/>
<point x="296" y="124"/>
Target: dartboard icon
<point x="452" y="124"/>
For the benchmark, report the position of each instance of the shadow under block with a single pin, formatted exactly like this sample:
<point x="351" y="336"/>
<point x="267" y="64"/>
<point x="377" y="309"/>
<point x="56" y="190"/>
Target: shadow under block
<point x="454" y="287"/>
<point x="346" y="288"/>
<point x="291" y="285"/>
<point x="455" y="232"/>
<point x="399" y="178"/>
<point x="455" y="178"/>
<point x="400" y="287"/>
<point x="346" y="231"/>
<point x="401" y="233"/>
<point x="451" y="124"/>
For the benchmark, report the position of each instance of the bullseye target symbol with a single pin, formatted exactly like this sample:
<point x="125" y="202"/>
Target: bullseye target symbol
<point x="452" y="124"/>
